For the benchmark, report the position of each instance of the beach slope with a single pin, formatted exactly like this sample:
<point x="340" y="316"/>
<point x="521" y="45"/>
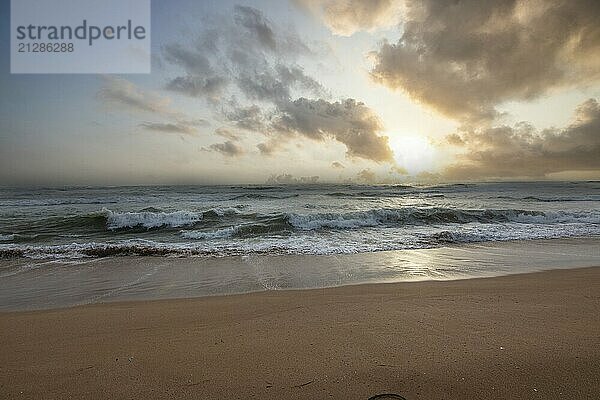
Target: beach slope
<point x="529" y="336"/>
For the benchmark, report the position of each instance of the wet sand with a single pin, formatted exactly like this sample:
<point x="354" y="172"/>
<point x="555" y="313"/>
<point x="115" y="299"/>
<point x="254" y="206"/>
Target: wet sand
<point x="530" y="336"/>
<point x="28" y="284"/>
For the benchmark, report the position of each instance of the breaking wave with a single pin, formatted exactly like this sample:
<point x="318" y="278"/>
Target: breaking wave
<point x="149" y="219"/>
<point x="427" y="216"/>
<point x="554" y="199"/>
<point x="156" y="219"/>
<point x="233" y="230"/>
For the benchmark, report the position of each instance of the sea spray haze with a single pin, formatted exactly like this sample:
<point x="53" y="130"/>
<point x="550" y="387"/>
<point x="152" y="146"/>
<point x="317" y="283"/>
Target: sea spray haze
<point x="78" y="222"/>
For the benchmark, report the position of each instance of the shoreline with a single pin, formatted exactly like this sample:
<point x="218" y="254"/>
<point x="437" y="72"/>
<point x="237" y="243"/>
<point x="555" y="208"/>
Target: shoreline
<point x="530" y="335"/>
<point x="289" y="291"/>
<point x="43" y="284"/>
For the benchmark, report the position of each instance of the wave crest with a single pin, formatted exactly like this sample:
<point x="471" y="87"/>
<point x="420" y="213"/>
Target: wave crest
<point x="153" y="218"/>
<point x="431" y="216"/>
<point x="150" y="219"/>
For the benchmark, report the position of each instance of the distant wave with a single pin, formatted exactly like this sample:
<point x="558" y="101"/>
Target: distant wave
<point x="377" y="193"/>
<point x="55" y="202"/>
<point x="549" y="199"/>
<point x="261" y="196"/>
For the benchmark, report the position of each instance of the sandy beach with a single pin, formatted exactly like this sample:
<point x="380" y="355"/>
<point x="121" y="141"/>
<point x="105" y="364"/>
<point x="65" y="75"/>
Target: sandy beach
<point x="528" y="336"/>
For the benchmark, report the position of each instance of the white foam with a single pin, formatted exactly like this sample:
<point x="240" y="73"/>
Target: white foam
<point x="218" y="234"/>
<point x="431" y="216"/>
<point x="223" y="211"/>
<point x="558" y="217"/>
<point x="149" y="219"/>
<point x="336" y="221"/>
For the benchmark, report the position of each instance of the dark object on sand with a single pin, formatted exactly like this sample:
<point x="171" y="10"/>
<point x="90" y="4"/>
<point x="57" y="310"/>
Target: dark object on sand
<point x="387" y="396"/>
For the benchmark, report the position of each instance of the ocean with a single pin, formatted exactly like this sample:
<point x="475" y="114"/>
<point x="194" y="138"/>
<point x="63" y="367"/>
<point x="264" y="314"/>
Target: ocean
<point x="75" y="245"/>
<point x="216" y="221"/>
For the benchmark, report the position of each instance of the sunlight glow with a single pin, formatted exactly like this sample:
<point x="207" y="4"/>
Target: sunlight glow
<point x="415" y="153"/>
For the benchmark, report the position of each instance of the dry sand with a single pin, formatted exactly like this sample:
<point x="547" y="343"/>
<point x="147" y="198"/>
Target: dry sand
<point x="532" y="336"/>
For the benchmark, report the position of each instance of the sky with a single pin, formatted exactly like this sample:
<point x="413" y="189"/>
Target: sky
<point x="380" y="91"/>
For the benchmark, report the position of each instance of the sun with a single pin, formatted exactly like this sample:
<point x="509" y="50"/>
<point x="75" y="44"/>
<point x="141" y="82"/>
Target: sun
<point x="414" y="153"/>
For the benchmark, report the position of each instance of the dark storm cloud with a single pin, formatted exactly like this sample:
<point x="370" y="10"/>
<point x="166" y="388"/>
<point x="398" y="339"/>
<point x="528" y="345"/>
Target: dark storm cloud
<point x="463" y="58"/>
<point x="345" y="17"/>
<point x="262" y="89"/>
<point x="522" y="151"/>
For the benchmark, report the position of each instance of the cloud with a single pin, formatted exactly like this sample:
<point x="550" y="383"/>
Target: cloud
<point x="257" y="25"/>
<point x="192" y="61"/>
<point x="228" y="134"/>
<point x="463" y="58"/>
<point x="198" y="86"/>
<point x="522" y="151"/>
<point x="250" y="118"/>
<point x="228" y="148"/>
<point x="275" y="84"/>
<point x="124" y="95"/>
<point x="345" y="17"/>
<point x="180" y="127"/>
<point x="197" y="122"/>
<point x="200" y="79"/>
<point x="347" y="121"/>
<point x="287" y="179"/>
<point x="454" y="139"/>
<point x="262" y="89"/>
<point x="429" y="177"/>
<point x="367" y="176"/>
<point x="121" y="93"/>
<point x="233" y="49"/>
<point x="269" y="147"/>
<point x="396" y="169"/>
<point x="337" y="165"/>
